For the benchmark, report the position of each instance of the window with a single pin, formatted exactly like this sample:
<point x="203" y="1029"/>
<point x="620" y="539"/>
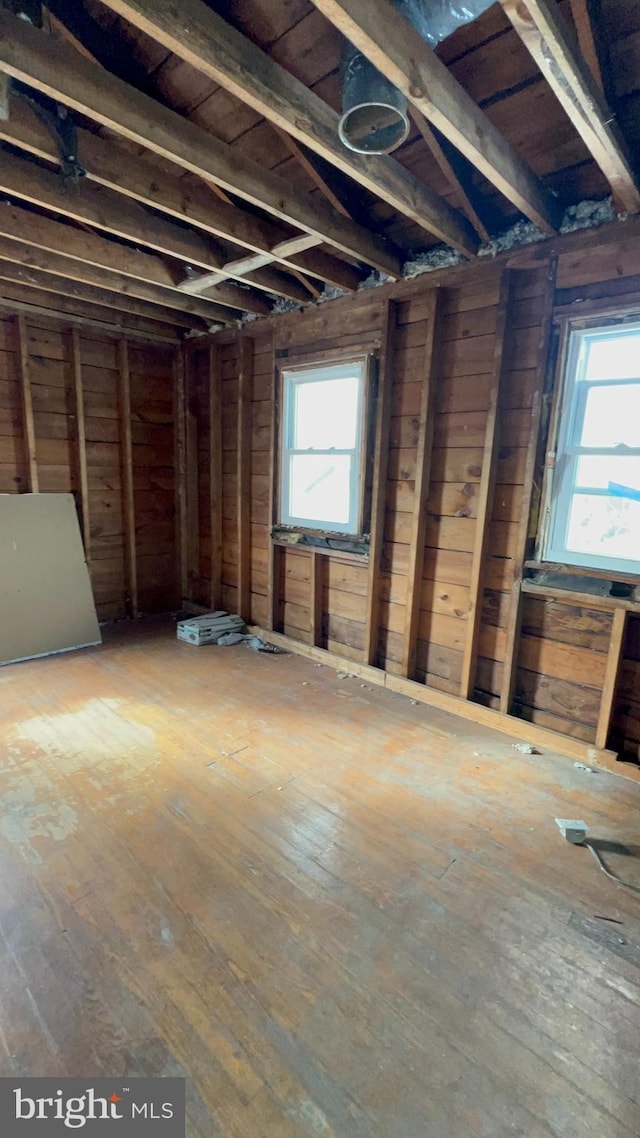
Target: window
<point x="321" y="484"/>
<point x="595" y="493"/>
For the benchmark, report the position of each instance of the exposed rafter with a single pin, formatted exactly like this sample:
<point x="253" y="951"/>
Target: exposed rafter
<point x="198" y="35"/>
<point x="21" y="253"/>
<point x="304" y="160"/>
<point x="587" y="38"/>
<point x="26" y="298"/>
<point x="454" y="176"/>
<point x="63" y="286"/>
<point x="109" y="163"/>
<point x="61" y="72"/>
<point x="107" y="211"/>
<point x="546" y="33"/>
<point x="379" y="31"/>
<point x="96" y="260"/>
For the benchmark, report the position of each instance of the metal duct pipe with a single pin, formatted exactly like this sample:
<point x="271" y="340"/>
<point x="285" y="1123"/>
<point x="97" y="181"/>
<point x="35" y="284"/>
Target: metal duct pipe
<point x="374" y="112"/>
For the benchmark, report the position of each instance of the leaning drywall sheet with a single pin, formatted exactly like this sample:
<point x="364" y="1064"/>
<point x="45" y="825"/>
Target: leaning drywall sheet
<point x="46" y="604"/>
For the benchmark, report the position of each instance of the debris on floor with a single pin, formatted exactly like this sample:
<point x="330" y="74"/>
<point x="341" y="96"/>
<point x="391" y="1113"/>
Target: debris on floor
<point x="584" y="767"/>
<point x="251" y="641"/>
<point x="525" y="749"/>
<point x="221" y="628"/>
<point x="210" y="628"/>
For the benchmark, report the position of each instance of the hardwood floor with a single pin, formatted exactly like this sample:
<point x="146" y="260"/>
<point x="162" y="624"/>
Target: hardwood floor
<point x="336" y="913"/>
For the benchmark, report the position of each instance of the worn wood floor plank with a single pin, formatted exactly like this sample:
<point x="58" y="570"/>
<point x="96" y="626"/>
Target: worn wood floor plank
<point x="334" y="912"/>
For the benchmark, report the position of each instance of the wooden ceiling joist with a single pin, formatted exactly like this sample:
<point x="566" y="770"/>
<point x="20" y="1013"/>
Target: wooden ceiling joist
<point x="113" y="214"/>
<point x="549" y="38"/>
<point x="35" y="302"/>
<point x="63" y="286"/>
<point x="587" y="38"/>
<point x="42" y="246"/>
<point x="83" y="245"/>
<point x="59" y="71"/>
<point x="390" y="42"/>
<point x="110" y="164"/>
<point x="198" y="35"/>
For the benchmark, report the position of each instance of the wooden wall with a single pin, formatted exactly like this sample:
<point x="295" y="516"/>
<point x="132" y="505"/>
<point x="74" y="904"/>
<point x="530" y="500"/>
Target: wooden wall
<point x="86" y="411"/>
<point x="442" y="589"/>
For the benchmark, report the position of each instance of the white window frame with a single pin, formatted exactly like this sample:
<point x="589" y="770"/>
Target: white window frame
<point x="292" y="378"/>
<point x="572" y="406"/>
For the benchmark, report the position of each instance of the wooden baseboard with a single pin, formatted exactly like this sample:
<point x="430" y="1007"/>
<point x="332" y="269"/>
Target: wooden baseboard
<point x="519" y="729"/>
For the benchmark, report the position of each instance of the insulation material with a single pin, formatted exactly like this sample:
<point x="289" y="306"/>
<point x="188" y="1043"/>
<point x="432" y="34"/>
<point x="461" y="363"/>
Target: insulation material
<point x="46" y="604"/>
<point x="434" y="20"/>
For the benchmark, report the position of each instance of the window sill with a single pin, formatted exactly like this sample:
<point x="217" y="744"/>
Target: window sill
<point x="338" y="546"/>
<point x="582" y="571"/>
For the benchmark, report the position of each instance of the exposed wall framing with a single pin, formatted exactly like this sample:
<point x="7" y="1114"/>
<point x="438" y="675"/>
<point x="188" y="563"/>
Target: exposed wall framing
<point x="91" y="411"/>
<point x="440" y="598"/>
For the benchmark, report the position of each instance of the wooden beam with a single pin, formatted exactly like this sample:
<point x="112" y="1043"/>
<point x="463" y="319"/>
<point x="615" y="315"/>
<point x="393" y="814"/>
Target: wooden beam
<point x="302" y="157"/>
<point x="56" y="69"/>
<point x="395" y="48"/>
<point x="266" y="278"/>
<point x="180" y="466"/>
<point x="514" y="616"/>
<point x="316" y="589"/>
<point x="379" y="479"/>
<point x="271" y="280"/>
<point x="60" y="285"/>
<point x="331" y="270"/>
<point x="614" y="659"/>
<point x="245" y="395"/>
<point x="114" y="215"/>
<point x="28" y="426"/>
<point x="486" y="491"/>
<point x="512" y="637"/>
<point x="192" y="459"/>
<point x="109" y="163"/>
<point x="80" y="441"/>
<point x="105" y="210"/>
<point x="426" y="424"/>
<point x="454" y="177"/>
<point x="549" y="741"/>
<point x="587" y="39"/>
<point x="256" y="267"/>
<point x="126" y="469"/>
<point x="20" y="253"/>
<point x="41" y="232"/>
<point x="36" y="302"/>
<point x="275" y="554"/>
<point x="32" y="229"/>
<point x="215" y="474"/>
<point x="202" y="38"/>
<point x="548" y="36"/>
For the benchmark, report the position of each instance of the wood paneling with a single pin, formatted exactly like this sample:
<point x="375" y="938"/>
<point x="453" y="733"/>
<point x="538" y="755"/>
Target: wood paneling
<point x="354" y="605"/>
<point x="98" y="421"/>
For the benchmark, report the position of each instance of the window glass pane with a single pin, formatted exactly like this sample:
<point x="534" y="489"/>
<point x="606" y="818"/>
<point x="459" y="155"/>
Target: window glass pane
<point x="615" y="357"/>
<point x="604" y="525"/>
<point x="612" y="417"/>
<point x="325" y="414"/>
<point x="600" y="472"/>
<point x="319" y="488"/>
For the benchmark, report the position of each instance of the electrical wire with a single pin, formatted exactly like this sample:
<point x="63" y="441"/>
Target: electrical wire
<point x="603" y="867"/>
